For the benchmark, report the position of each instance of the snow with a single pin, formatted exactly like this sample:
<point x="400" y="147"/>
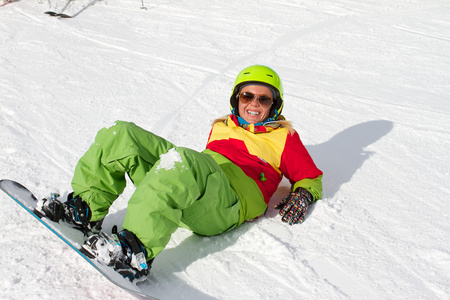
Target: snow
<point x="367" y="86"/>
<point x="168" y="160"/>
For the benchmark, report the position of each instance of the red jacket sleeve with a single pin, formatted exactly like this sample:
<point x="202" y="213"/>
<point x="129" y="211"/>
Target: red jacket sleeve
<point x="298" y="166"/>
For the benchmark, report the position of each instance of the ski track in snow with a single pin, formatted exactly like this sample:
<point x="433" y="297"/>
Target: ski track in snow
<point x="366" y="86"/>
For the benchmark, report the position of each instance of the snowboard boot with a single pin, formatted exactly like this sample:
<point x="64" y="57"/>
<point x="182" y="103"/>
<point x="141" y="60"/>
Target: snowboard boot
<point x="123" y="251"/>
<point x="74" y="211"/>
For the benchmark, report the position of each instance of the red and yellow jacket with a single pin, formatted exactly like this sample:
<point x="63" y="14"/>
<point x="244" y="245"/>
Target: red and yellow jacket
<point x="265" y="154"/>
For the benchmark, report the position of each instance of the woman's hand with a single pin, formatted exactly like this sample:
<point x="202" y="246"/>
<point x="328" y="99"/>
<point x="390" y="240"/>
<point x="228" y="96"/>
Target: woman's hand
<point x="294" y="207"/>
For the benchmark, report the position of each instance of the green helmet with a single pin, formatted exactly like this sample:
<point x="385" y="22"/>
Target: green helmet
<point x="258" y="74"/>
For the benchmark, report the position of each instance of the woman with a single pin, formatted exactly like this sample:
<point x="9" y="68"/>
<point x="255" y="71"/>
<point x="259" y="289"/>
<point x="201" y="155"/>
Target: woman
<point x="247" y="154"/>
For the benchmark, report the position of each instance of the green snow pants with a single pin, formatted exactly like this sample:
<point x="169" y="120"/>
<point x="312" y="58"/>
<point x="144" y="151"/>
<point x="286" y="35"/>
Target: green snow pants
<point x="174" y="186"/>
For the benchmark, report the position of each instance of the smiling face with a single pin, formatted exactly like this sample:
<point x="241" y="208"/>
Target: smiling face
<point x="253" y="112"/>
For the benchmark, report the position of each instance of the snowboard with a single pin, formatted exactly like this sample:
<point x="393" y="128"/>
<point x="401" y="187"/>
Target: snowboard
<point x="5" y="2"/>
<point x="67" y="234"/>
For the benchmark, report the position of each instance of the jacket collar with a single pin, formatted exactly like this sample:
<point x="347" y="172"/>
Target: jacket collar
<point x="233" y="121"/>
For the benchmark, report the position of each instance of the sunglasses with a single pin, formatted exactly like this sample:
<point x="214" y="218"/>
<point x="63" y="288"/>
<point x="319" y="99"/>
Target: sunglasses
<point x="247" y="97"/>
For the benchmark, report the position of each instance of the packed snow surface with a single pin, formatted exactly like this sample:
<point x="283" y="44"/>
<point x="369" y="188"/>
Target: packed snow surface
<point x="367" y="86"/>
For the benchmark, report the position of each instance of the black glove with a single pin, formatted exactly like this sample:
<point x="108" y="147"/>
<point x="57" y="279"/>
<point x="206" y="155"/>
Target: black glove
<point x="294" y="207"/>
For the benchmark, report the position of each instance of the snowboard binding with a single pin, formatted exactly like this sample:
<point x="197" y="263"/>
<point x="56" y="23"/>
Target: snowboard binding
<point x="123" y="251"/>
<point x="74" y="212"/>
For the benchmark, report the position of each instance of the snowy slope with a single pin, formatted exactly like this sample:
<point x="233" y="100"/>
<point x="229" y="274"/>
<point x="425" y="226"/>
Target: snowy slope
<point x="367" y="85"/>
